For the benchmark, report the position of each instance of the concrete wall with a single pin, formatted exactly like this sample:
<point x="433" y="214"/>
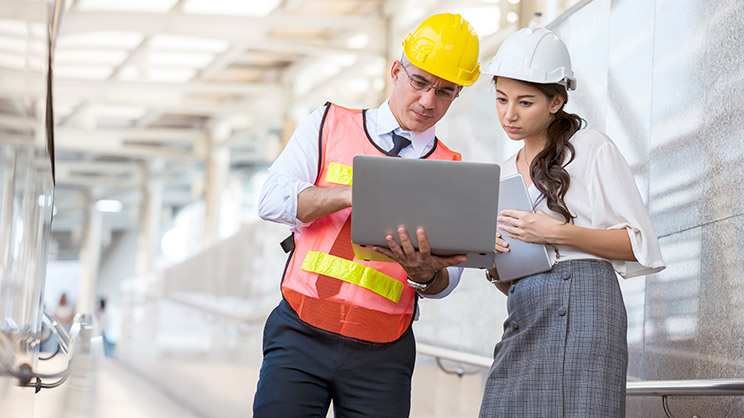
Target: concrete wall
<point x="669" y="91"/>
<point x="26" y="199"/>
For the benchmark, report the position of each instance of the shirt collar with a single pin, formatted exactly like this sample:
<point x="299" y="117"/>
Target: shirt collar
<point x="387" y="123"/>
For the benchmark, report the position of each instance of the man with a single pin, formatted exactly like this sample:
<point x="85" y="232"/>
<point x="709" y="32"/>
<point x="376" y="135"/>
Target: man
<point x="340" y="334"/>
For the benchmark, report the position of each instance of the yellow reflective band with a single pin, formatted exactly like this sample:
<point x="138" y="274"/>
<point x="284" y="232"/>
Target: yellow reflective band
<point x="339" y="174"/>
<point x="349" y="271"/>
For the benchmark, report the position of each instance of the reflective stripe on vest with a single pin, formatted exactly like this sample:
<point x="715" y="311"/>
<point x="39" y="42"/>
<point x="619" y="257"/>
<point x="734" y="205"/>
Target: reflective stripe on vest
<point x="358" y="274"/>
<point x="339" y="174"/>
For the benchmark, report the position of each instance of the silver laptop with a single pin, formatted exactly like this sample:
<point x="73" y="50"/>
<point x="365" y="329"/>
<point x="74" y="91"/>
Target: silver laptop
<point x="523" y="259"/>
<point x="455" y="203"/>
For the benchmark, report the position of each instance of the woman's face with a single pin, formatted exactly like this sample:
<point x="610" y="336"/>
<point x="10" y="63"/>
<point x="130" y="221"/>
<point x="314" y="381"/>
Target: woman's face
<point x="524" y="111"/>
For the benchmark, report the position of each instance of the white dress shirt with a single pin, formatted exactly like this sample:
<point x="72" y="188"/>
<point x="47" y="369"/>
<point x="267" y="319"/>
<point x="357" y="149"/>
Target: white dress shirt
<point x="296" y="168"/>
<point x="602" y="195"/>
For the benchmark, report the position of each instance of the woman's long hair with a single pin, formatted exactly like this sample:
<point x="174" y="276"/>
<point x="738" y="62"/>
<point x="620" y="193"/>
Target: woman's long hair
<point x="548" y="170"/>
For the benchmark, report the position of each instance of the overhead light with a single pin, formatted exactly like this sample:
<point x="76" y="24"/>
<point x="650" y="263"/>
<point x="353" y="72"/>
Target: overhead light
<point x="512" y="17"/>
<point x="342" y="60"/>
<point x="102" y="39"/>
<point x="230" y="7"/>
<point x="116" y="111"/>
<point x="17" y="62"/>
<point x="358" y="41"/>
<point x="156" y="75"/>
<point x="485" y="20"/>
<point x="13" y="44"/>
<point x="166" y="42"/>
<point x="152" y="6"/>
<point x="13" y="27"/>
<point x="108" y="205"/>
<point x="83" y="72"/>
<point x="179" y="59"/>
<point x="88" y="56"/>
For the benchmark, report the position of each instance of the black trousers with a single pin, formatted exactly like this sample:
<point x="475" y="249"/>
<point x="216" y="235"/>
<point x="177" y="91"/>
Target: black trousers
<point x="304" y="369"/>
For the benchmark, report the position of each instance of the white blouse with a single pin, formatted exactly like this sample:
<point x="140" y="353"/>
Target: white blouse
<point x="602" y="195"/>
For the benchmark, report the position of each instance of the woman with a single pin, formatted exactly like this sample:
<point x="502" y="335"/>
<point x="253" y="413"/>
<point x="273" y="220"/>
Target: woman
<point x="564" y="351"/>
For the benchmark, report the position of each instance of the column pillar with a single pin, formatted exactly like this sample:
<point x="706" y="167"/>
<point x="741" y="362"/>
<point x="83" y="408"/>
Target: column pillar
<point x="90" y="255"/>
<point x="150" y="214"/>
<point x="218" y="167"/>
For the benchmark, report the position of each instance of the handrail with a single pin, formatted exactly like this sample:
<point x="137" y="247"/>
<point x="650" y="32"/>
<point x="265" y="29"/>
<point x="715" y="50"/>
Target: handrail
<point x="59" y="332"/>
<point x="77" y="341"/>
<point x="687" y="387"/>
<point x="255" y="316"/>
<point x="681" y="387"/>
<point x="454" y="355"/>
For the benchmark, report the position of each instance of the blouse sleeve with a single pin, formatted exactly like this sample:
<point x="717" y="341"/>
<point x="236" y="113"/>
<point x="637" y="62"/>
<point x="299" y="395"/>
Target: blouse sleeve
<point x="616" y="203"/>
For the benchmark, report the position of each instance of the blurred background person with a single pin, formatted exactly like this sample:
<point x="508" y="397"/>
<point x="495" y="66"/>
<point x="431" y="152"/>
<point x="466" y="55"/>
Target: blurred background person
<point x="64" y="313"/>
<point x="105" y="314"/>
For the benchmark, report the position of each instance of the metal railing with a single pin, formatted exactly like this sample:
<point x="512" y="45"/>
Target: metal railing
<point x="662" y="388"/>
<point x="79" y="340"/>
<point x="687" y="387"/>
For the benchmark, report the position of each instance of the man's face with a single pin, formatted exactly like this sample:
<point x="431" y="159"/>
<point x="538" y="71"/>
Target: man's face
<point x="418" y="110"/>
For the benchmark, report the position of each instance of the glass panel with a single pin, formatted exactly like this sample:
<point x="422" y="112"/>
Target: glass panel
<point x="26" y="194"/>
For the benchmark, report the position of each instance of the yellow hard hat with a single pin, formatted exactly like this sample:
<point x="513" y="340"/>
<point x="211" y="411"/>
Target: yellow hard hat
<point x="445" y="45"/>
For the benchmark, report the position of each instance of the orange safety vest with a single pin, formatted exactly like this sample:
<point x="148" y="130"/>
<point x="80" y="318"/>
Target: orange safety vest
<point x="324" y="283"/>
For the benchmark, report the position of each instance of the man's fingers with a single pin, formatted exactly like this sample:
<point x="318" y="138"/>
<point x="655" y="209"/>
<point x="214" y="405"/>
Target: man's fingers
<point x="423" y="241"/>
<point x="394" y="247"/>
<point x="455" y="259"/>
<point x="449" y="260"/>
<point x="405" y="241"/>
<point x="384" y="251"/>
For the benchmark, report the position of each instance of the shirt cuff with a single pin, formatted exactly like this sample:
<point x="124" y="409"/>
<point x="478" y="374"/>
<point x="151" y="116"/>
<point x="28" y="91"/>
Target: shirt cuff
<point x="290" y="204"/>
<point x="454" y="280"/>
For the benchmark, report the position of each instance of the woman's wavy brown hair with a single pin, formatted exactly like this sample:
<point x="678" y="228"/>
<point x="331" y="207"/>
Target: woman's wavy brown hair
<point x="548" y="170"/>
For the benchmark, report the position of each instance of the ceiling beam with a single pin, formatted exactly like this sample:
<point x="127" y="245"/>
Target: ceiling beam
<point x="114" y="142"/>
<point x="230" y="28"/>
<point x="33" y="84"/>
<point x="164" y="97"/>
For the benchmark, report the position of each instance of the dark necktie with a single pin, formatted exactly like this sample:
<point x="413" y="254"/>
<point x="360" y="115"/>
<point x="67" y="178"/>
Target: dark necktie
<point x="399" y="142"/>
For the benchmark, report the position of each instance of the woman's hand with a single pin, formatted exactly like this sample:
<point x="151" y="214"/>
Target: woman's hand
<point x="536" y="228"/>
<point x="501" y="245"/>
<point x="493" y="275"/>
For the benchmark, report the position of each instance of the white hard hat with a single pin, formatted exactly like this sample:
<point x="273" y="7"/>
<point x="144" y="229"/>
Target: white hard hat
<point x="536" y="55"/>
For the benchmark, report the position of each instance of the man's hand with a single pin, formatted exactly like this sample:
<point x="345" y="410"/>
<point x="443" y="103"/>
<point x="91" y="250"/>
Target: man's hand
<point x="420" y="265"/>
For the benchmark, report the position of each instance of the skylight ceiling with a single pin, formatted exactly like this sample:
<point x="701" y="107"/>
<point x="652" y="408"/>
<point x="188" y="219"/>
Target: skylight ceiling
<point x="140" y="82"/>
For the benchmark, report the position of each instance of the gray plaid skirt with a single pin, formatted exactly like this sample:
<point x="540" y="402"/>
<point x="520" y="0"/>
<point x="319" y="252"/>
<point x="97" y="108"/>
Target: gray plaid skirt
<point x="564" y="350"/>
